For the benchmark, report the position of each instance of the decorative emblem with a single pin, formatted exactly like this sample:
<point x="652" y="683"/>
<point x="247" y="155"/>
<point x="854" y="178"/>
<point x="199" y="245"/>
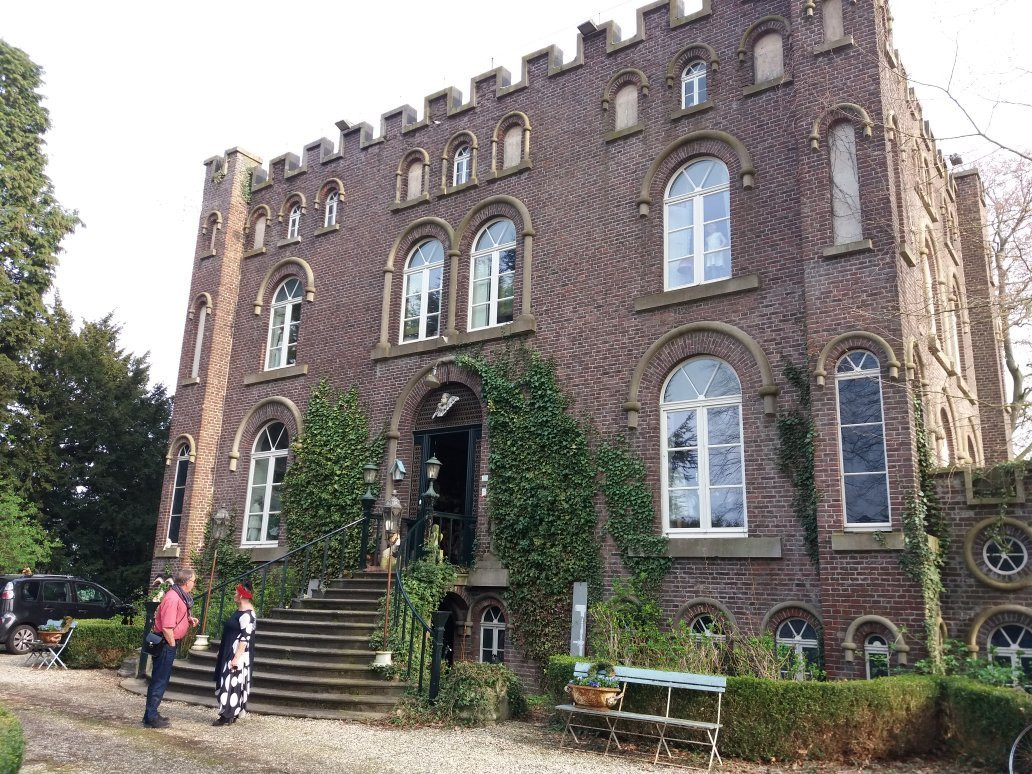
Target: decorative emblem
<point x="444" y="406"/>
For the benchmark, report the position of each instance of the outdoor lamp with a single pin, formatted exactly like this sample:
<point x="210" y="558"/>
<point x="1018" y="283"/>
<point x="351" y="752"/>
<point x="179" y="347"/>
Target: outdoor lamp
<point x="433" y="467"/>
<point x="369" y="472"/>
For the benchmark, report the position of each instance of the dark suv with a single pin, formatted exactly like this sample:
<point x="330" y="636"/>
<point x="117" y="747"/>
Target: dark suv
<point x="29" y="601"/>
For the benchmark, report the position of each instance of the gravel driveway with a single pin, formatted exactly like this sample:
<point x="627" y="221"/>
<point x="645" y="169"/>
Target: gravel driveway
<point x="83" y="722"/>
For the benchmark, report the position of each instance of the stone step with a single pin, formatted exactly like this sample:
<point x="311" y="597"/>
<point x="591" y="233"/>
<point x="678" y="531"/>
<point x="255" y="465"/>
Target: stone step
<point x="337" y="603"/>
<point x="320" y="614"/>
<point x="295" y="649"/>
<point x="313" y="684"/>
<point x="265" y="663"/>
<point x="375" y="700"/>
<point x="270" y="636"/>
<point x="307" y="628"/>
<point x="363" y="584"/>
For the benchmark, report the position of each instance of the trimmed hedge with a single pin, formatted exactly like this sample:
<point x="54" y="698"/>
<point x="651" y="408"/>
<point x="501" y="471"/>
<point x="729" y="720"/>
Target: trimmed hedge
<point x="12" y="743"/>
<point x="102" y="643"/>
<point x="848" y="720"/>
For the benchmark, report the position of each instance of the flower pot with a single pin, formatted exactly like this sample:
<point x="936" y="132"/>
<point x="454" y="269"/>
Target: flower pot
<point x="50" y="638"/>
<point x="596" y="698"/>
<point x="382" y="658"/>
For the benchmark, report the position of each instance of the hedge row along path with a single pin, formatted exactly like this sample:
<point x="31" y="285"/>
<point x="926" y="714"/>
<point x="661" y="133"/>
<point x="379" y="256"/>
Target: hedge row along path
<point x="82" y="721"/>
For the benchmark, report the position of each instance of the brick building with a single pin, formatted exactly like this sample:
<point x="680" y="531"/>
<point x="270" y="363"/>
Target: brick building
<point x="673" y="215"/>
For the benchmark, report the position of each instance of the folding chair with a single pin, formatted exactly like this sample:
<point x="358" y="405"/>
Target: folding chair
<point x="52" y="656"/>
<point x="36" y="652"/>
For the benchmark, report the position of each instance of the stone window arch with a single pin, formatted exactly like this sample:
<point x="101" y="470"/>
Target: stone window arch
<point x="877" y="636"/>
<point x="272" y="409"/>
<point x="294" y="207"/>
<point x="621" y="99"/>
<point x="412" y="177"/>
<point x="257" y="221"/>
<point x="211" y="228"/>
<point x="459" y="161"/>
<point x="510" y="143"/>
<point x="692" y="73"/>
<point x="708" y="618"/>
<point x="1007" y="630"/>
<point x="762" y="51"/>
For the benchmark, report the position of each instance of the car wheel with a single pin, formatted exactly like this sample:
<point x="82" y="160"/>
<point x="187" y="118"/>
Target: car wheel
<point x="21" y="638"/>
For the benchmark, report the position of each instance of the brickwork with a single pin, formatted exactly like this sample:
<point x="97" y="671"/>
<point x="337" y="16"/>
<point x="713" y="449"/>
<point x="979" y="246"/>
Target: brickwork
<point x="589" y="281"/>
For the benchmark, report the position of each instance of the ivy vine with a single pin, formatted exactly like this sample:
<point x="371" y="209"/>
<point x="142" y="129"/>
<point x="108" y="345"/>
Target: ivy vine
<point x="631" y="521"/>
<point x="797" y="441"/>
<point x="541" y="495"/>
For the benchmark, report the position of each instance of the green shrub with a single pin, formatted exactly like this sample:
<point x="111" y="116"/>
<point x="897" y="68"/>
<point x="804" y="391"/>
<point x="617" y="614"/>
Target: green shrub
<point x="557" y="674"/>
<point x="12" y="743"/>
<point x="471" y="693"/>
<point x="981" y="722"/>
<point x="102" y="643"/>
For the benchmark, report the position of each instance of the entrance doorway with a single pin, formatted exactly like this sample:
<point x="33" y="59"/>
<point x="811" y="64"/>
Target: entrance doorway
<point x="454" y="512"/>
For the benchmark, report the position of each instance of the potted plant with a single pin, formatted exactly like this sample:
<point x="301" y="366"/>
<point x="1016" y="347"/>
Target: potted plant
<point x="51" y="632"/>
<point x="599" y="689"/>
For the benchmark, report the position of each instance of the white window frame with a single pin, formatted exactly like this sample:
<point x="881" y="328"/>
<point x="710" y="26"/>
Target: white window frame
<point x="269" y="486"/>
<point x="330" y="217"/>
<point x="288" y="325"/>
<point x="694" y="77"/>
<point x="462" y="166"/>
<point x="178" y="487"/>
<point x="493" y="300"/>
<point x="496" y="625"/>
<point x="294" y="222"/>
<point x="877" y="649"/>
<point x="195" y="367"/>
<point x="798" y="644"/>
<point x="1013" y="653"/>
<point x="701" y="406"/>
<point x="864" y="374"/>
<point x="424" y="272"/>
<point x="698" y="224"/>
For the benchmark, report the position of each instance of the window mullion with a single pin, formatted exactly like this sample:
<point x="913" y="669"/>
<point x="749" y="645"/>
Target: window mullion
<point x="423" y="300"/>
<point x="698" y="238"/>
<point x="267" y="500"/>
<point x="705" y="517"/>
<point x="495" y="270"/>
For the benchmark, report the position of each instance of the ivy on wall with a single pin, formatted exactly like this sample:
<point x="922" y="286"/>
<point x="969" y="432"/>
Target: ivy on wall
<point x="797" y="440"/>
<point x="541" y="496"/>
<point x="323" y="485"/>
<point x="631" y="521"/>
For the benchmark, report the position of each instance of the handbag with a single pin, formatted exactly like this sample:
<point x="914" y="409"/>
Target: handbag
<point x="153" y="643"/>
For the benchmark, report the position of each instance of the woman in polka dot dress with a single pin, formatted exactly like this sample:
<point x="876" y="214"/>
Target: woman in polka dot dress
<point x="233" y="668"/>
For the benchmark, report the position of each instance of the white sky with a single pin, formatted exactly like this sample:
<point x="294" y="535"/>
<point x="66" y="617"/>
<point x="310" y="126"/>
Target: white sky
<point x="141" y="93"/>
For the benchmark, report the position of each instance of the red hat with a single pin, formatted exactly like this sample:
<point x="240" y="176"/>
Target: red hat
<point x="243" y="592"/>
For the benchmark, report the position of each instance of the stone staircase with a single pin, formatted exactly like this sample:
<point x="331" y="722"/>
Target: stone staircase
<point x="311" y="659"/>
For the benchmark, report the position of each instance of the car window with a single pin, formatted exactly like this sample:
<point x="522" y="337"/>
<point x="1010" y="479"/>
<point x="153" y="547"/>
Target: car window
<point x="89" y="595"/>
<point x="55" y="592"/>
<point x="28" y="591"/>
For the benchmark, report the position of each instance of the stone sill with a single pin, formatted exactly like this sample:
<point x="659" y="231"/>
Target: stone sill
<point x="292" y="241"/>
<point x="702" y="13"/>
<point x="907" y="253"/>
<point x="254" y="252"/>
<point x="832" y="45"/>
<point x="190" y="381"/>
<point x="208" y="254"/>
<point x="619" y="134"/>
<point x="167" y="552"/>
<point x="264" y="553"/>
<point x="289" y="173"/>
<point x="697" y="292"/>
<point x="275" y="374"/>
<point x="702" y="107"/>
<point x="473" y="183"/>
<point x="759" y="88"/>
<point x="522" y="325"/>
<point x="489" y="577"/>
<point x="523" y="166"/>
<point x="849" y="248"/>
<point x="867" y="541"/>
<point x="399" y="206"/>
<point x="327" y="229"/>
<point x="724" y="547"/>
<point x="266" y="184"/>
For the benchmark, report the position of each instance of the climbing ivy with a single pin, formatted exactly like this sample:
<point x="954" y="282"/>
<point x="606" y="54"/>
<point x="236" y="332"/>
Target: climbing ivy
<point x="797" y="439"/>
<point x="323" y="486"/>
<point x="541" y="495"/>
<point x="631" y="521"/>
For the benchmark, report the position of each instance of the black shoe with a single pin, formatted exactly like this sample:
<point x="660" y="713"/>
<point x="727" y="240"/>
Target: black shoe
<point x="158" y="722"/>
<point x="221" y="721"/>
<point x="162" y="717"/>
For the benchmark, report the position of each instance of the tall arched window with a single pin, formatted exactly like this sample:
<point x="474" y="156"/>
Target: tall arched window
<point x="414" y="180"/>
<point x="259" y="233"/>
<point x="178" y="493"/>
<point x="492" y="636"/>
<point x="876" y="656"/>
<point x="865" y="477"/>
<point x="294" y="222"/>
<point x="202" y="315"/>
<point x="703" y="474"/>
<point x="330" y="218"/>
<point x="493" y="275"/>
<point x="284" y="324"/>
<point x="847" y="224"/>
<point x="693" y="85"/>
<point x="1012" y="647"/>
<point x="268" y="465"/>
<point x="944" y="444"/>
<point x="768" y="58"/>
<point x="424" y="271"/>
<point x="463" y="165"/>
<point x="800" y="636"/>
<point x="952" y="324"/>
<point x="626" y="104"/>
<point x="929" y="274"/>
<point x="512" y="148"/>
<point x="697" y="217"/>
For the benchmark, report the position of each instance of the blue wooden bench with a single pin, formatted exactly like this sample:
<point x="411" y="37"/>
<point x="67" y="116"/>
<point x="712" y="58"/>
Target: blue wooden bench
<point x="662" y="723"/>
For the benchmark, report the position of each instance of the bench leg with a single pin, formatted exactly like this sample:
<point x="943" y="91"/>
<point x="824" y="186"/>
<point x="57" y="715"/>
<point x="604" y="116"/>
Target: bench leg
<point x="713" y="749"/>
<point x="612" y="735"/>
<point x="661" y="729"/>
<point x="567" y="729"/>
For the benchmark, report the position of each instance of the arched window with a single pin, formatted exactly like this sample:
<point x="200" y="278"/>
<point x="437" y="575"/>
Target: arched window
<point x="697" y="217"/>
<point x="705" y="627"/>
<point x="330" y="218"/>
<point x="768" y="58"/>
<point x="876" y="656"/>
<point x="944" y="440"/>
<point x="202" y="314"/>
<point x="847" y="225"/>
<point x="865" y="478"/>
<point x="512" y="149"/>
<point x="492" y="636"/>
<point x="294" y="222"/>
<point x="929" y="272"/>
<point x="626" y="103"/>
<point x="259" y="233"/>
<point x="268" y="464"/>
<point x="800" y="636"/>
<point x="831" y="16"/>
<point x="414" y="180"/>
<point x="1011" y="646"/>
<point x="284" y="324"/>
<point x="703" y="474"/>
<point x="952" y="324"/>
<point x="424" y="271"/>
<point x="693" y="85"/>
<point x="463" y="165"/>
<point x="493" y="275"/>
<point x="178" y="493"/>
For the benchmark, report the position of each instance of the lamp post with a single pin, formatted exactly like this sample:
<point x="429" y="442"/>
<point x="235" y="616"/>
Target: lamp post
<point x="390" y="516"/>
<point x="369" y="472"/>
<point x="432" y="467"/>
<point x="219" y="525"/>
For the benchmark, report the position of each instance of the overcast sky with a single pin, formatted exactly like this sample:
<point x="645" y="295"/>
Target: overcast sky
<point x="141" y="93"/>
